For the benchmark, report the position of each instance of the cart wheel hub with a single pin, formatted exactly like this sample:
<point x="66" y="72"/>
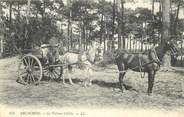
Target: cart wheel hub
<point x="51" y="69"/>
<point x="29" y="70"/>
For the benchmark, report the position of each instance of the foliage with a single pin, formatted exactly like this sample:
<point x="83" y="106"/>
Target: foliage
<point x="49" y="18"/>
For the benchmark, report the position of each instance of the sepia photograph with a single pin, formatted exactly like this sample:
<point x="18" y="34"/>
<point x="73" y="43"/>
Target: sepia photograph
<point x="91" y="58"/>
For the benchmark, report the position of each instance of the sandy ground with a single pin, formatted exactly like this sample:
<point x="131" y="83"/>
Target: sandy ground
<point x="168" y="91"/>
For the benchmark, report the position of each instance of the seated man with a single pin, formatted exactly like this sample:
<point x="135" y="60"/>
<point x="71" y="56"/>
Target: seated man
<point x="50" y="53"/>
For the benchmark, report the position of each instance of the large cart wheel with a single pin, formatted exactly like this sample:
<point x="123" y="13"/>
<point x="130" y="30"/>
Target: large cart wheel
<point x="53" y="72"/>
<point x="30" y="69"/>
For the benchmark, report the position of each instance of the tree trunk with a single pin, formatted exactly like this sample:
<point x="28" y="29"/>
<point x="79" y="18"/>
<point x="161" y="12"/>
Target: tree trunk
<point x="122" y="24"/>
<point x="26" y="34"/>
<point x="102" y="28"/>
<point x="176" y="19"/>
<point x="1" y="40"/>
<point x="71" y="35"/>
<point x="10" y="11"/>
<point x="166" y="31"/>
<point x="43" y="14"/>
<point x="182" y="54"/>
<point x="28" y="11"/>
<point x="127" y="41"/>
<point x="104" y="38"/>
<point x="136" y="45"/>
<point x="153" y="21"/>
<point x="68" y="35"/>
<point x="142" y="36"/>
<point x="69" y="32"/>
<point x="69" y="23"/>
<point x="130" y="44"/>
<point x="84" y="35"/>
<point x="18" y="10"/>
<point x="119" y="24"/>
<point x="2" y="46"/>
<point x="37" y="14"/>
<point x="140" y="44"/>
<point x="160" y="20"/>
<point x="87" y="38"/>
<point x="165" y="22"/>
<point x="80" y="38"/>
<point x="1" y="32"/>
<point x="113" y="21"/>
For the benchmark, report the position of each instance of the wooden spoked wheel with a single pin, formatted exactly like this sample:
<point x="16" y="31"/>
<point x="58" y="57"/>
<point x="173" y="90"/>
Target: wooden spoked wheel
<point x="30" y="69"/>
<point x="53" y="72"/>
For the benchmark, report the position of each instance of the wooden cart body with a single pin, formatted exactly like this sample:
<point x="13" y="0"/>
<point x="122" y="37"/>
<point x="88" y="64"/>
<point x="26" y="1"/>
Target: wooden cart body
<point x="40" y="63"/>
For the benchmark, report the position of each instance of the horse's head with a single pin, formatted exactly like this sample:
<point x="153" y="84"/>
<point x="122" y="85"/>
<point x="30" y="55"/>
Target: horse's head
<point x="83" y="56"/>
<point x="172" y="47"/>
<point x="169" y="46"/>
<point x="94" y="44"/>
<point x="95" y="52"/>
<point x="174" y="51"/>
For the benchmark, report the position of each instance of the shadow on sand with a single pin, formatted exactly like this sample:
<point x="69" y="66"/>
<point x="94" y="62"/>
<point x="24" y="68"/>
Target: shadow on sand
<point x="111" y="84"/>
<point x="100" y="83"/>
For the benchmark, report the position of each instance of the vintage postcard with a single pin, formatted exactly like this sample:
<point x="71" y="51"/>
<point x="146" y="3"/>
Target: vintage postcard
<point x="91" y="58"/>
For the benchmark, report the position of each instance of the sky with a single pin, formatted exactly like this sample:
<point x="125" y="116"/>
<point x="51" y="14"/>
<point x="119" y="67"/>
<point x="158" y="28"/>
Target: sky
<point x="148" y="4"/>
<point x="143" y="4"/>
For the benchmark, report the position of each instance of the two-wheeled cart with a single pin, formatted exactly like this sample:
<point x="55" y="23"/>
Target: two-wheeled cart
<point x="35" y="64"/>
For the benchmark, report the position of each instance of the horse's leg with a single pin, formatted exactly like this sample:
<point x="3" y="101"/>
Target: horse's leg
<point x="90" y="73"/>
<point x="63" y="74"/>
<point x="122" y="73"/>
<point x="151" y="77"/>
<point x="88" y="76"/>
<point x="70" y="74"/>
<point x="121" y="76"/>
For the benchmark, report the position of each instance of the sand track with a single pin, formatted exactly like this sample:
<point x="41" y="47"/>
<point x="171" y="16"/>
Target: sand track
<point x="168" y="90"/>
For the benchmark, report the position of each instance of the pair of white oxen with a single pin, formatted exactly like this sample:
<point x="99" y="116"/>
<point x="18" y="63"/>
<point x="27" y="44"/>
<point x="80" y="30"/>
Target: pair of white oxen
<point x="83" y="59"/>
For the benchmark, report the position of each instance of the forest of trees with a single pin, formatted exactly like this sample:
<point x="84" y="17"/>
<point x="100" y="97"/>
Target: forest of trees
<point x="25" y="24"/>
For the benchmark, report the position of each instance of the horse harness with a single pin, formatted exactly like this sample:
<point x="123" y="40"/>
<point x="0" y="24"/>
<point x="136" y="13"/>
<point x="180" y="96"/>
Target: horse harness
<point x="140" y="66"/>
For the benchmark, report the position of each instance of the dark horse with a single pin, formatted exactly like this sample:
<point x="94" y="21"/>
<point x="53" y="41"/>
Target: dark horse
<point x="145" y="62"/>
